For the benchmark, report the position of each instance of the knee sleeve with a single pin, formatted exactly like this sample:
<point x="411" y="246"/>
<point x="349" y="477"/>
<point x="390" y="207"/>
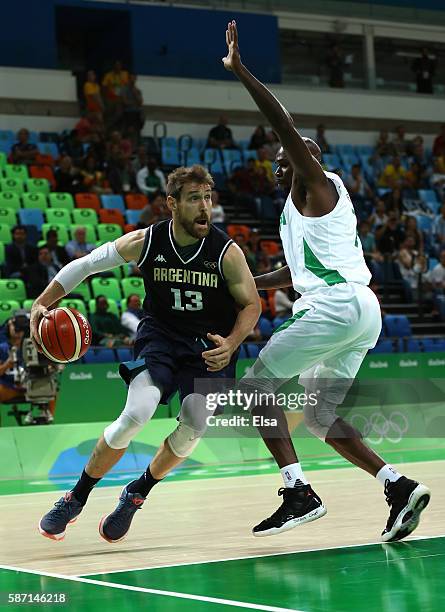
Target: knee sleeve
<point x="191" y="427"/>
<point x="320" y="418"/>
<point x="142" y="400"/>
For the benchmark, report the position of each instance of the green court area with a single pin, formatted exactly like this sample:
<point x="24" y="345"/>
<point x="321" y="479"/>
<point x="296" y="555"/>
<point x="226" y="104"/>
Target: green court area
<point x="404" y="576"/>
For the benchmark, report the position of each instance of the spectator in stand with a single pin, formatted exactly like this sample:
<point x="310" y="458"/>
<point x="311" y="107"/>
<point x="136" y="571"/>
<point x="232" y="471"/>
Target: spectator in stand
<point x="258" y="138"/>
<point x="120" y="175"/>
<point x="68" y="177"/>
<point x="438" y="177"/>
<point x="254" y="242"/>
<point x="133" y="118"/>
<point x="123" y="144"/>
<point x="320" y="139"/>
<point x="383" y="147"/>
<point x="336" y="64"/>
<point x="411" y="230"/>
<point x="284" y="300"/>
<point x="218" y="214"/>
<point x="23" y="151"/>
<point x="114" y="83"/>
<point x="19" y="254"/>
<point x="73" y="146"/>
<point x="411" y="265"/>
<point x="8" y="389"/>
<point x="151" y="179"/>
<point x="379" y="216"/>
<point x="106" y="327"/>
<point x="156" y="210"/>
<point x="437" y="275"/>
<point x="89" y="126"/>
<point x="92" y="95"/>
<point x="38" y="275"/>
<point x="263" y="264"/>
<point x="438" y="229"/>
<point x="78" y="247"/>
<point x="439" y="142"/>
<point x="390" y="236"/>
<point x="98" y="149"/>
<point x="272" y="145"/>
<point x="131" y="317"/>
<point x="58" y="253"/>
<point x="262" y="183"/>
<point x="93" y="180"/>
<point x="394" y="201"/>
<point x="264" y="162"/>
<point x="400" y="143"/>
<point x="361" y="193"/>
<point x="415" y="176"/>
<point x="393" y="174"/>
<point x="424" y="68"/>
<point x="220" y="136"/>
<point x="373" y="258"/>
<point x="140" y="159"/>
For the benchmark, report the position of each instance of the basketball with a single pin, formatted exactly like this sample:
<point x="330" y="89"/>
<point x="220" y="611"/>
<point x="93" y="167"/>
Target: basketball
<point x="65" y="335"/>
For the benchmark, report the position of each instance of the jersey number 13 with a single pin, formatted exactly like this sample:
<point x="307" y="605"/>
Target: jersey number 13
<point x="194" y="301"/>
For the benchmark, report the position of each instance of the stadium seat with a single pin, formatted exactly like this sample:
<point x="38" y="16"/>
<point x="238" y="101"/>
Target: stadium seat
<point x="132" y="216"/>
<point x="112" y="215"/>
<point x="234" y="229"/>
<point x="38" y="185"/>
<point x="5" y="233"/>
<point x="31" y="216"/>
<point x="253" y="350"/>
<point x="84" y="216"/>
<point x="169" y="141"/>
<point x="9" y="184"/>
<point x="9" y="199"/>
<point x="16" y="172"/>
<point x="48" y="148"/>
<point x="2" y="253"/>
<point x="44" y="173"/>
<point x="113" y="201"/>
<point x="62" y="231"/>
<point x="108" y="231"/>
<point x="7" y="135"/>
<point x="27" y="304"/>
<point x="136" y="201"/>
<point x="61" y="200"/>
<point x="265" y="327"/>
<point x="5" y="146"/>
<point x="124" y="354"/>
<point x="76" y="304"/>
<point x="243" y="352"/>
<point x="102" y="355"/>
<point x="112" y="306"/>
<point x="331" y="160"/>
<point x="424" y="223"/>
<point x="129" y="227"/>
<point x="34" y="200"/>
<point x="131" y="285"/>
<point x="432" y="345"/>
<point x="87" y="200"/>
<point x="90" y="234"/>
<point x="428" y="195"/>
<point x="106" y="286"/>
<point x="44" y="160"/>
<point x="278" y="321"/>
<point x="8" y="216"/>
<point x="413" y="345"/>
<point x="190" y="157"/>
<point x="12" y="289"/>
<point x="58" y="215"/>
<point x="397" y="326"/>
<point x="383" y="346"/>
<point x="83" y="290"/>
<point x="7" y="310"/>
<point x="170" y="156"/>
<point x="267" y="208"/>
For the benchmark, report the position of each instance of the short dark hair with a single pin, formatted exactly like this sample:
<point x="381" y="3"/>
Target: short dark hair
<point x="19" y="227"/>
<point x="194" y="174"/>
<point x="52" y="232"/>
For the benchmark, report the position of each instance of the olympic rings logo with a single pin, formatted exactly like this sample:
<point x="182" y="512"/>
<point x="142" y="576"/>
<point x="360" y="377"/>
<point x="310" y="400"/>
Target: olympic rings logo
<point x="378" y="427"/>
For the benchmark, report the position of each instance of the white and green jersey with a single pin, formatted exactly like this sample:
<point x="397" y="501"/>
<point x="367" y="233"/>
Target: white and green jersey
<point x="323" y="251"/>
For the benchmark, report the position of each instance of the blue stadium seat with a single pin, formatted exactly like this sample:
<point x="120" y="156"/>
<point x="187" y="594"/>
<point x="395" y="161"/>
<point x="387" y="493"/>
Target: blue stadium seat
<point x="424" y="222"/>
<point x="267" y="209"/>
<point x="428" y="195"/>
<point x="432" y="345"/>
<point x="344" y="149"/>
<point x="219" y="180"/>
<point x="31" y="216"/>
<point x="432" y="263"/>
<point x="48" y="148"/>
<point x="243" y="352"/>
<point x="265" y="327"/>
<point x="397" y="326"/>
<point x="170" y="141"/>
<point x="278" y="321"/>
<point x="132" y="216"/>
<point x="124" y="354"/>
<point x="170" y="156"/>
<point x="383" y="346"/>
<point x="5" y="146"/>
<point x="413" y="345"/>
<point x="331" y="160"/>
<point x="7" y="135"/>
<point x="33" y="137"/>
<point x="101" y="355"/>
<point x="191" y="157"/>
<point x="434" y="207"/>
<point x="364" y="150"/>
<point x="383" y="191"/>
<point x="253" y="350"/>
<point x="250" y="154"/>
<point x="113" y="201"/>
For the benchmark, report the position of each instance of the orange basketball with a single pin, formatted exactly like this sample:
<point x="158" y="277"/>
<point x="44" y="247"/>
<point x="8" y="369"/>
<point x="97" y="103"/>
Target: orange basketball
<point x="65" y="336"/>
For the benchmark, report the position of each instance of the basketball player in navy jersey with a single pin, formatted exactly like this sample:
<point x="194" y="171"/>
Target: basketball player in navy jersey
<point x="201" y="303"/>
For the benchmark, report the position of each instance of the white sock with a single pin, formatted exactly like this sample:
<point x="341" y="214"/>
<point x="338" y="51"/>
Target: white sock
<point x="293" y="475"/>
<point x="387" y="472"/>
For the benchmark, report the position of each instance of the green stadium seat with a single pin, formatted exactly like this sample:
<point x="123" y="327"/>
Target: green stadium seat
<point x="9" y="184"/>
<point x="10" y="199"/>
<point x="3" y="159"/>
<point x="16" y="172"/>
<point x="8" y="216"/>
<point x="34" y="200"/>
<point x="108" y="231"/>
<point x="76" y="304"/>
<point x="38" y="185"/>
<point x="5" y="233"/>
<point x="117" y="273"/>
<point x="112" y="306"/>
<point x="58" y="215"/>
<point x="84" y="290"/>
<point x="27" y="304"/>
<point x="61" y="200"/>
<point x="133" y="284"/>
<point x="90" y="234"/>
<point x="62" y="231"/>
<point x="12" y="289"/>
<point x="84" y="216"/>
<point x="106" y="286"/>
<point x="7" y="310"/>
<point x="2" y="253"/>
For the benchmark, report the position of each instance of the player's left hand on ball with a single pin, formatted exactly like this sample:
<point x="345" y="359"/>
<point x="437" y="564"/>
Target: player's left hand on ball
<point x="233" y="58"/>
<point x="219" y="357"/>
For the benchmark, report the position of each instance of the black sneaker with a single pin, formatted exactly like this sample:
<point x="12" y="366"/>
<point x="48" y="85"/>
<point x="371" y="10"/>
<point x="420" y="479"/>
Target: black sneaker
<point x="406" y="498"/>
<point x="115" y="526"/>
<point x="300" y="505"/>
<point x="65" y="511"/>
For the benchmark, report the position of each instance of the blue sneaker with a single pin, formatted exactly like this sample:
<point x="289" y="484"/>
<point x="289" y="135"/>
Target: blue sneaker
<point x="65" y="511"/>
<point x="115" y="526"/>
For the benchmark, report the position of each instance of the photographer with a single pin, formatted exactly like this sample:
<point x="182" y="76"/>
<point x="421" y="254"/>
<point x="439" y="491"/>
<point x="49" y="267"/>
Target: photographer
<point x="8" y="389"/>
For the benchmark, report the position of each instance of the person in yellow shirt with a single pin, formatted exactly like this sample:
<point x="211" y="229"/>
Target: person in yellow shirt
<point x="264" y="162"/>
<point x="393" y="174"/>
<point x="114" y="82"/>
<point x="91" y="92"/>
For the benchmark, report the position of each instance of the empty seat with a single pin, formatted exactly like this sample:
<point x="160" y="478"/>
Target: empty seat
<point x="34" y="200"/>
<point x="234" y="229"/>
<point x="83" y="290"/>
<point x="113" y="201"/>
<point x="131" y="285"/>
<point x="133" y="216"/>
<point x="253" y="350"/>
<point x="5" y="233"/>
<point x="102" y="355"/>
<point x="265" y="327"/>
<point x="87" y="200"/>
<point x="9" y="184"/>
<point x="106" y="286"/>
<point x="428" y="195"/>
<point x="38" y="185"/>
<point x="31" y="216"/>
<point x="8" y="216"/>
<point x="136" y="201"/>
<point x="7" y="310"/>
<point x="124" y="354"/>
<point x="61" y="200"/>
<point x="9" y="199"/>
<point x="108" y="231"/>
<point x="397" y="326"/>
<point x="12" y="289"/>
<point x="19" y="172"/>
<point x="84" y="216"/>
<point x="170" y="156"/>
<point x="58" y="215"/>
<point x="27" y="304"/>
<point x="383" y="346"/>
<point x="112" y="215"/>
<point x="76" y="304"/>
<point x="44" y="173"/>
<point x="48" y="148"/>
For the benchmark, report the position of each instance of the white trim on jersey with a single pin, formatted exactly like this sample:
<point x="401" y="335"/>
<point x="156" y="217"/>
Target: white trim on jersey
<point x="170" y="230"/>
<point x="144" y="255"/>
<point x="225" y="247"/>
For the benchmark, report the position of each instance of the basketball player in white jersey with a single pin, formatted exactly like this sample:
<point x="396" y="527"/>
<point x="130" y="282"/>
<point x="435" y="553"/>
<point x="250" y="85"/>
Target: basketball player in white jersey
<point x="334" y="323"/>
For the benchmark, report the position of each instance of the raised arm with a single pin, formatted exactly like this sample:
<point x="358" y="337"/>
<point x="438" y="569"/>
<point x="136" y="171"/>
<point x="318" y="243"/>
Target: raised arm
<point x="279" y="118"/>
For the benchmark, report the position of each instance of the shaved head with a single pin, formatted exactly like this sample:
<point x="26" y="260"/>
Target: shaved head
<point x="313" y="148"/>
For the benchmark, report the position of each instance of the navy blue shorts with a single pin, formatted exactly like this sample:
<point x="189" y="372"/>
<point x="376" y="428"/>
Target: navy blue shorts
<point x="172" y="360"/>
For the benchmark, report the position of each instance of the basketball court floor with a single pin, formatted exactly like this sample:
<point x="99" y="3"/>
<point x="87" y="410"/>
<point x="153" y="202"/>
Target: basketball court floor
<point x="190" y="546"/>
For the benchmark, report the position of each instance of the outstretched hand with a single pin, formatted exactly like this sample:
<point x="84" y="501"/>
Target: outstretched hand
<point x="233" y="59"/>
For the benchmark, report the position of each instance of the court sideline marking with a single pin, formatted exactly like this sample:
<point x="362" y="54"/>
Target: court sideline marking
<point x="213" y="600"/>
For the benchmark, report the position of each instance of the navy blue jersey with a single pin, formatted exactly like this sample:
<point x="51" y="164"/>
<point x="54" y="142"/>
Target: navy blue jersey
<point x="187" y="296"/>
